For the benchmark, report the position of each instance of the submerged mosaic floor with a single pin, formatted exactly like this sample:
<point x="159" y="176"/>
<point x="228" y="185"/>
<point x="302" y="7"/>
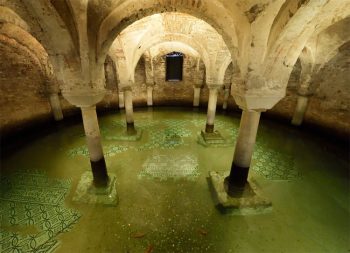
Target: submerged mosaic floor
<point x="165" y="204"/>
<point x="176" y="133"/>
<point x="164" y="167"/>
<point x="273" y="164"/>
<point x="30" y="200"/>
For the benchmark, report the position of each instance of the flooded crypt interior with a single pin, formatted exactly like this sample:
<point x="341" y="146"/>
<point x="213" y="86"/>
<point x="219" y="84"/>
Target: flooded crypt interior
<point x="163" y="126"/>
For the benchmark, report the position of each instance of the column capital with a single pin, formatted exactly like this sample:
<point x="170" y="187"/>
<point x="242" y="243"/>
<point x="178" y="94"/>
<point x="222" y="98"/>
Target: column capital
<point x="88" y="108"/>
<point x="126" y="88"/>
<point x="257" y="99"/>
<point x="150" y="85"/>
<point x="125" y="83"/>
<point x="252" y="110"/>
<point x="215" y="86"/>
<point x="84" y="97"/>
<point x="51" y="86"/>
<point x="304" y="92"/>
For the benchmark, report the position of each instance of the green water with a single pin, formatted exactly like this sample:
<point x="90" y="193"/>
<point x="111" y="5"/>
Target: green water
<point x="164" y="200"/>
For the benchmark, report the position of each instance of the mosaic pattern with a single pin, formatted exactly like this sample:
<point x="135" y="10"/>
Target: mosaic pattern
<point x="274" y="165"/>
<point x="109" y="150"/>
<point x="168" y="138"/>
<point x="175" y="133"/>
<point x="112" y="150"/>
<point x="78" y="151"/>
<point x="163" y="167"/>
<point x="30" y="198"/>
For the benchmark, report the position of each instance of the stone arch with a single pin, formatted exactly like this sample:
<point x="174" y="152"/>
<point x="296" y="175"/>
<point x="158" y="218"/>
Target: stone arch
<point x="9" y="16"/>
<point x="313" y="17"/>
<point x="285" y="13"/>
<point x="212" y="12"/>
<point x="330" y="40"/>
<point x="223" y="69"/>
<point x="158" y="28"/>
<point x="63" y="54"/>
<point x="17" y="38"/>
<point x="176" y="38"/>
<point x="319" y="51"/>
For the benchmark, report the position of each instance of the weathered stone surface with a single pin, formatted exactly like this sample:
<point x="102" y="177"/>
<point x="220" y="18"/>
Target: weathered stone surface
<point x="87" y="193"/>
<point x="248" y="201"/>
<point x="256" y="39"/>
<point x="213" y="140"/>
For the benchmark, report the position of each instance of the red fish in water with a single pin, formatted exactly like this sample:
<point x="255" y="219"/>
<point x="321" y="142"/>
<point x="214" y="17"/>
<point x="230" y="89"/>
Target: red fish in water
<point x="203" y="231"/>
<point x="149" y="249"/>
<point x="138" y="235"/>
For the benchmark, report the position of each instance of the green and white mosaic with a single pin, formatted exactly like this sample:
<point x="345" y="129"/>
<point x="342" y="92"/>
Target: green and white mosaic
<point x="163" y="167"/>
<point x="273" y="164"/>
<point x="31" y="199"/>
<point x="176" y="133"/>
<point x="78" y="151"/>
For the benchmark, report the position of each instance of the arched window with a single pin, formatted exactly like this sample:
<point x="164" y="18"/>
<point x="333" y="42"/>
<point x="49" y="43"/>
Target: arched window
<point x="174" y="65"/>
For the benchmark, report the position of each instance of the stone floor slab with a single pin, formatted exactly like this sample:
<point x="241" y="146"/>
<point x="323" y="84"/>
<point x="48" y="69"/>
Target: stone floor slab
<point x="247" y="202"/>
<point x="214" y="139"/>
<point x="89" y="194"/>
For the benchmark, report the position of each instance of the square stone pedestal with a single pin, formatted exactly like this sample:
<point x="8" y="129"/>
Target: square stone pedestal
<point x="124" y="136"/>
<point x="87" y="193"/>
<point x="248" y="201"/>
<point x="214" y="139"/>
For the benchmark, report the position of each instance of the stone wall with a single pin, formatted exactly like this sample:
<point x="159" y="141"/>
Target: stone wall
<point x="23" y="100"/>
<point x="329" y="107"/>
<point x="21" y="89"/>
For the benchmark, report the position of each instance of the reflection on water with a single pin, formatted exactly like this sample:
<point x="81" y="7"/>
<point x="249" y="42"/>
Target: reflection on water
<point x="165" y="203"/>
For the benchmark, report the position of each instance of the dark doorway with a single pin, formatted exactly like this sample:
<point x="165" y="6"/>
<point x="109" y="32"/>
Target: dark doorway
<point x="174" y="65"/>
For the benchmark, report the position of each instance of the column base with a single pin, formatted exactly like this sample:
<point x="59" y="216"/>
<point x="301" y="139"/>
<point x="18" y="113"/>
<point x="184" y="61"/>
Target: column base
<point x="58" y="117"/>
<point x="99" y="172"/>
<point x="245" y="201"/>
<point x="214" y="139"/>
<point x="237" y="179"/>
<point x="130" y="128"/>
<point x="209" y="128"/>
<point x="296" y="122"/>
<point x="88" y="193"/>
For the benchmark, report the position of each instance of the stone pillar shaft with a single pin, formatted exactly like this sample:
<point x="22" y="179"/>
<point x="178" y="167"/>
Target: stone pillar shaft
<point x="226" y="96"/>
<point x="93" y="140"/>
<point x="213" y="97"/>
<point x="300" y="110"/>
<point x="196" y="96"/>
<point x="128" y="106"/>
<point x="244" y="148"/>
<point x="149" y="96"/>
<point x="121" y="99"/>
<point x="56" y="106"/>
<point x="130" y="128"/>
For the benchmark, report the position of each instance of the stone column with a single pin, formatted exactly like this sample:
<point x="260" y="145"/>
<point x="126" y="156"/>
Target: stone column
<point x="213" y="97"/>
<point x="93" y="139"/>
<point x="130" y="128"/>
<point x="149" y="95"/>
<point x="56" y="106"/>
<point x="300" y="110"/>
<point x="121" y="99"/>
<point x="226" y="96"/>
<point x="196" y="96"/>
<point x="243" y="151"/>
